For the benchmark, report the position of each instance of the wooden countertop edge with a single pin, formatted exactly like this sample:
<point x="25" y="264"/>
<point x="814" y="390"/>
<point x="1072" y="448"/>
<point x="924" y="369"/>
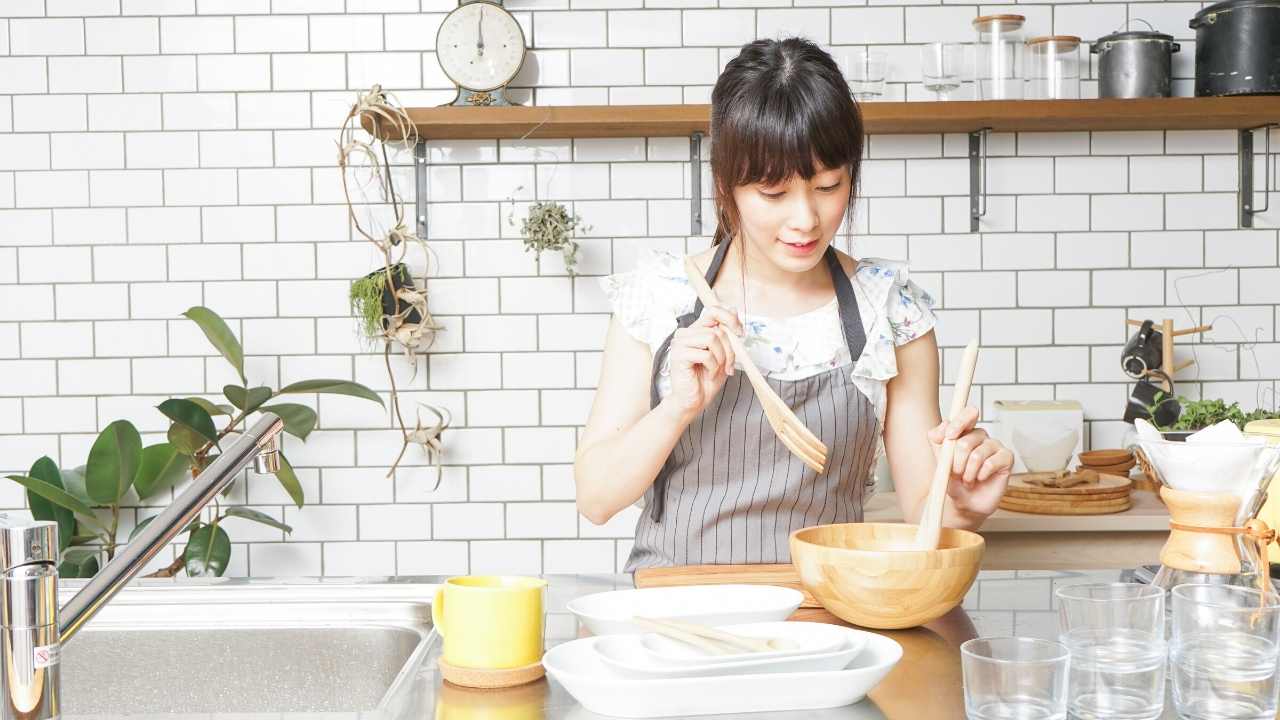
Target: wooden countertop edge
<point x="1148" y="514"/>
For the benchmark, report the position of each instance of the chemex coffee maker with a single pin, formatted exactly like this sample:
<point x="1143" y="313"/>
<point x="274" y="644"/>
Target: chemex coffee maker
<point x="1214" y="485"/>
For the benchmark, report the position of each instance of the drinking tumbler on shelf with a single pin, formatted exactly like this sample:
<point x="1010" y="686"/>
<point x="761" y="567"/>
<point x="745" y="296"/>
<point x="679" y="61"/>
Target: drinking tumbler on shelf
<point x="940" y="64"/>
<point x="865" y="71"/>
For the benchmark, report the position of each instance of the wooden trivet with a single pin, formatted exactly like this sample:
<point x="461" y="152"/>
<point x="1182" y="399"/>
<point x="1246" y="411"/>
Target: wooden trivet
<point x="489" y="679"/>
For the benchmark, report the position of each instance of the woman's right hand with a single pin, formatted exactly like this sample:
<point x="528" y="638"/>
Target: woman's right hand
<point x="701" y="360"/>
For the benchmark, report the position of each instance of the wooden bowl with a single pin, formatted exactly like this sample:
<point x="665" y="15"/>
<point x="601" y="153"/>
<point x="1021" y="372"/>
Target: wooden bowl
<point x="852" y="571"/>
<point x="1105" y="457"/>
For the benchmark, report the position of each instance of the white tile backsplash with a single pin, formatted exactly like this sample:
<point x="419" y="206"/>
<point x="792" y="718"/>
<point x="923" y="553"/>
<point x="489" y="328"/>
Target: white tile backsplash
<point x="155" y="156"/>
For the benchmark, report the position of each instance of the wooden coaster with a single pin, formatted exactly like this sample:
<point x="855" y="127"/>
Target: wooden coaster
<point x="1066" y="507"/>
<point x="1106" y="484"/>
<point x="488" y="679"/>
<point x="1105" y="457"/>
<point x="1037" y="497"/>
<point x="1116" y="469"/>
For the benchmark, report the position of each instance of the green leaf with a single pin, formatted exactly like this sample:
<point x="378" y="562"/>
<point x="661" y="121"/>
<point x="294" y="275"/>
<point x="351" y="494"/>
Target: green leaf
<point x="113" y="462"/>
<point x="58" y="497"/>
<point x="220" y="336"/>
<point x="299" y="420"/>
<point x="289" y="480"/>
<point x="212" y="408"/>
<point x="46" y="470"/>
<point x="185" y="440"/>
<point x="254" y="515"/>
<point x="162" y="467"/>
<point x="73" y="482"/>
<point x="333" y="387"/>
<point x="138" y="528"/>
<point x="208" y="551"/>
<point x="83" y="539"/>
<point x="79" y="563"/>
<point x="247" y="400"/>
<point x="192" y="415"/>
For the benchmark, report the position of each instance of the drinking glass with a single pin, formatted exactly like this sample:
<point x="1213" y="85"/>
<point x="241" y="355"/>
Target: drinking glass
<point x="1224" y="652"/>
<point x="1014" y="677"/>
<point x="1115" y="632"/>
<point x="940" y="67"/>
<point x="865" y="70"/>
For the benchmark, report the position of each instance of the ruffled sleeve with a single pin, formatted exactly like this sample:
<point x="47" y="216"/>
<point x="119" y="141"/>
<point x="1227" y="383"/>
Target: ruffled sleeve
<point x="647" y="300"/>
<point x="897" y="312"/>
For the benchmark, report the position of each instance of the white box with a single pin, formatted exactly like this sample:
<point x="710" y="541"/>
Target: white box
<point x="1040" y="416"/>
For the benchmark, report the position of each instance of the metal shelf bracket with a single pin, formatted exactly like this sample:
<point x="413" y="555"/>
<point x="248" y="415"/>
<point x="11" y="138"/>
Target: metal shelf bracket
<point x="420" y="188"/>
<point x="1245" y="155"/>
<point x="695" y="183"/>
<point x="977" y="176"/>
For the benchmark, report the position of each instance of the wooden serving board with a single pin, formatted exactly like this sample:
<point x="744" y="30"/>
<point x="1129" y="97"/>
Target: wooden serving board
<point x="783" y="575"/>
<point x="1107" y="484"/>
<point x="1070" y="506"/>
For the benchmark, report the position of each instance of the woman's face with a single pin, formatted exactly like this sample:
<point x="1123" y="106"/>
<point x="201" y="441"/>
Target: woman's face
<point x="792" y="223"/>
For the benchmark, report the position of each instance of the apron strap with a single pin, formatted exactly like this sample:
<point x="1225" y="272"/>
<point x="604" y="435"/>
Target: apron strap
<point x="855" y="336"/>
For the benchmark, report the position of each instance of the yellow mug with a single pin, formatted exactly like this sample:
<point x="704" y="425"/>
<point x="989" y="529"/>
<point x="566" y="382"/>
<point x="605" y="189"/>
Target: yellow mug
<point x="490" y="622"/>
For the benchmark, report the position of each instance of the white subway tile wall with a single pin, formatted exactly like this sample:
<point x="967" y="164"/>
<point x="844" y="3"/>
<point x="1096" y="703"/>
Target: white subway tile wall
<point x="156" y="155"/>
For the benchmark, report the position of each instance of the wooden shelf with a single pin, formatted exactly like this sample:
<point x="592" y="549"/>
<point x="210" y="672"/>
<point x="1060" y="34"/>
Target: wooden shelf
<point x="962" y="116"/>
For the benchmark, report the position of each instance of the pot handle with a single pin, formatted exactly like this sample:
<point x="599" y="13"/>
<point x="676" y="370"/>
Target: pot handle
<point x="1174" y="47"/>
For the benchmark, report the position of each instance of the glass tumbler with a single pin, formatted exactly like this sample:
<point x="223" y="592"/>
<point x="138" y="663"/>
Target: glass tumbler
<point x="940" y="64"/>
<point x="865" y="71"/>
<point x="1224" y="652"/>
<point x="1115" y="632"/>
<point x="1052" y="66"/>
<point x="1014" y="677"/>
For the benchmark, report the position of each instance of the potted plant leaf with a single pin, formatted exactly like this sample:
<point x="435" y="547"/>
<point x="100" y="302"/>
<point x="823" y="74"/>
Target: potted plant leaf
<point x="1199" y="414"/>
<point x="86" y="501"/>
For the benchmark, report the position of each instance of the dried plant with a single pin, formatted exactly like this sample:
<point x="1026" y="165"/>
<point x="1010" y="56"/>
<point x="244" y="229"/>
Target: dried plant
<point x="548" y="226"/>
<point x="375" y="120"/>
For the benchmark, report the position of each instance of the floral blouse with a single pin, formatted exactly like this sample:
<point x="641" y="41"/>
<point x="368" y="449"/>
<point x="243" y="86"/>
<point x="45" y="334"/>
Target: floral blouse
<point x="895" y="310"/>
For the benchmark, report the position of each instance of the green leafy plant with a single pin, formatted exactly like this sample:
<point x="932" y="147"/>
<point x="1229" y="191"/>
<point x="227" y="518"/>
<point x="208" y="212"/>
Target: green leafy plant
<point x="548" y="226"/>
<point x="366" y="304"/>
<point x="1198" y="414"/>
<point x="86" y="501"/>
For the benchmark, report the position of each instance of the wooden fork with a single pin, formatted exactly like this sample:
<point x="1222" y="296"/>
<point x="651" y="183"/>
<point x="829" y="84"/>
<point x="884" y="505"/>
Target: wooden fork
<point x="794" y="435"/>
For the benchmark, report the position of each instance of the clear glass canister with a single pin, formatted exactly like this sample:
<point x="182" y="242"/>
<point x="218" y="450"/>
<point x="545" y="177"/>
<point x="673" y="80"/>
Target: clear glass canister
<point x="1052" y="66"/>
<point x="998" y="51"/>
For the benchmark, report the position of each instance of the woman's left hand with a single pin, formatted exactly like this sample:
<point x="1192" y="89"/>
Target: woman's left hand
<point x="981" y="465"/>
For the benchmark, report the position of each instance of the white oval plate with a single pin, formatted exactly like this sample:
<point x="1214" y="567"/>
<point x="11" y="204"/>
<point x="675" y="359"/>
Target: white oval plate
<point x="600" y="689"/>
<point x="627" y="655"/>
<point x="610" y="613"/>
<point x="810" y="638"/>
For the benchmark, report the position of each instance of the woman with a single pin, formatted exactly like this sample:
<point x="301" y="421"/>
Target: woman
<point x="847" y="344"/>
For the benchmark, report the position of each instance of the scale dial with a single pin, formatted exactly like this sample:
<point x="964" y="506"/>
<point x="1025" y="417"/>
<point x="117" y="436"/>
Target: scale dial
<point x="480" y="46"/>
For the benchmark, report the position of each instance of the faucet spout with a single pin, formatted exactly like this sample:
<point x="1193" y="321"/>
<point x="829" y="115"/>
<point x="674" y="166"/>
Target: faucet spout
<point x="259" y="444"/>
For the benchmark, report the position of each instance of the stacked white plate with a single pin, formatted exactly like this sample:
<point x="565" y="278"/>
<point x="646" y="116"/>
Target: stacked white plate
<point x="627" y="673"/>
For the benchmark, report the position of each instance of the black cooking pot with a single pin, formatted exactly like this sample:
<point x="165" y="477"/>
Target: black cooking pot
<point x="1238" y="48"/>
<point x="1135" y="63"/>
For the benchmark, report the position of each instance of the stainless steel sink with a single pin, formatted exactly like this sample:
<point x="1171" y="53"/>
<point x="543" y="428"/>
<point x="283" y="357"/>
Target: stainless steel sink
<point x="351" y="648"/>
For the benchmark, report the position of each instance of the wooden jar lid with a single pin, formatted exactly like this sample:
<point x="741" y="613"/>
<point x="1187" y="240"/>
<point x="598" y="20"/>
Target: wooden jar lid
<point x="487" y="679"/>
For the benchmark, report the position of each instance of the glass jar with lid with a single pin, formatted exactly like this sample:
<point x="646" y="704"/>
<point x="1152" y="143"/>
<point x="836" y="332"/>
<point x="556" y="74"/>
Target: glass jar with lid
<point x="997" y="67"/>
<point x="1052" y="66"/>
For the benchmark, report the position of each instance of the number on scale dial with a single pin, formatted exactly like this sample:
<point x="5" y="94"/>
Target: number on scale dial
<point x="480" y="46"/>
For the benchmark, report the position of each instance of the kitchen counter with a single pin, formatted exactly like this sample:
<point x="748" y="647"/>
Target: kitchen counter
<point x="1023" y="541"/>
<point x="925" y="685"/>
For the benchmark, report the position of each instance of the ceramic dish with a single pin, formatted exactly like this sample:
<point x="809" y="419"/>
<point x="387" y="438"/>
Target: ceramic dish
<point x="628" y="655"/>
<point x="810" y="638"/>
<point x="609" y="613"/>
<point x="602" y="690"/>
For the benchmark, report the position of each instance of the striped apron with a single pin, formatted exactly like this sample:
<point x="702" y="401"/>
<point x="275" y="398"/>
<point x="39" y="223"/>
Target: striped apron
<point x="731" y="492"/>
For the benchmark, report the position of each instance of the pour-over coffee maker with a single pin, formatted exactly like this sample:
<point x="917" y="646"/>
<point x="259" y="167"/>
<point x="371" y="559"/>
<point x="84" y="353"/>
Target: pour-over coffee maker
<point x="1214" y="490"/>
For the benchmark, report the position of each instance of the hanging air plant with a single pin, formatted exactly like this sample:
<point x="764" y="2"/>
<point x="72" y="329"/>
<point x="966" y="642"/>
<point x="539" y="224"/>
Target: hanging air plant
<point x="390" y="303"/>
<point x="548" y="227"/>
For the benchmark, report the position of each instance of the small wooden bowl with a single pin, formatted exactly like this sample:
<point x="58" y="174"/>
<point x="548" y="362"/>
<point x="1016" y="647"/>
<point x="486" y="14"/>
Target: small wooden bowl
<point x="1121" y="469"/>
<point x="851" y="569"/>
<point x="1095" y="458"/>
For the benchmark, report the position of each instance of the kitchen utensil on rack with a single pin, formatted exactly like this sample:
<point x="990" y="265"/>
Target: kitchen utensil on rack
<point x="1238" y="48"/>
<point x="1135" y="64"/>
<point x="794" y="435"/>
<point x="931" y="516"/>
<point x="998" y="48"/>
<point x="1052" y="65"/>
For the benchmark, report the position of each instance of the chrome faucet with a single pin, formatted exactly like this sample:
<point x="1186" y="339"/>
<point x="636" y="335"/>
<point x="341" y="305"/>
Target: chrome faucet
<point x="30" y="628"/>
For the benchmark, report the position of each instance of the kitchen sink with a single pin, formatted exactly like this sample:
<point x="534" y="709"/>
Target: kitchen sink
<point x="313" y="648"/>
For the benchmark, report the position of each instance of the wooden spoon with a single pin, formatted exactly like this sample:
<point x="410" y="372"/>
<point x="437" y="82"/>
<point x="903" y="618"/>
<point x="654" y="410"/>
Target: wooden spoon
<point x="930" y="530"/>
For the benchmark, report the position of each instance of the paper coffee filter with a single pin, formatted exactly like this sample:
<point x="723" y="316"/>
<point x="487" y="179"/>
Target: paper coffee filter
<point x="1217" y="459"/>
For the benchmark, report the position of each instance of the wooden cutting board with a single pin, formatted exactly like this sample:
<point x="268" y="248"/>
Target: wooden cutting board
<point x="783" y="575"/>
<point x="1066" y="505"/>
<point x="1107" y="484"/>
